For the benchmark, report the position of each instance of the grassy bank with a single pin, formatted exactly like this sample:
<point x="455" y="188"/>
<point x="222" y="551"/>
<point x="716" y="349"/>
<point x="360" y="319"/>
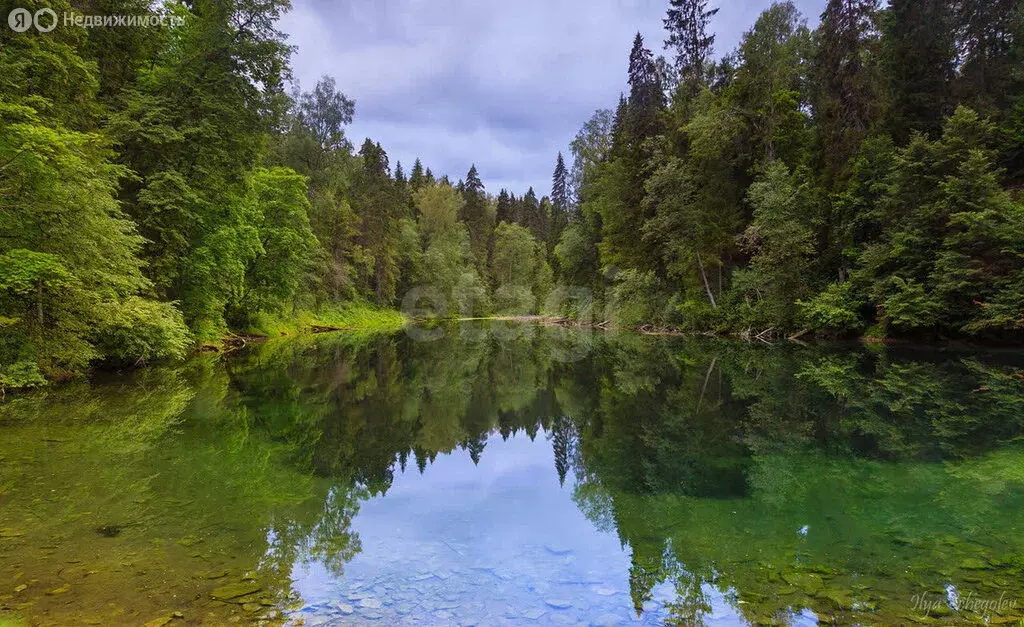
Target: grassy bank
<point x="354" y="317"/>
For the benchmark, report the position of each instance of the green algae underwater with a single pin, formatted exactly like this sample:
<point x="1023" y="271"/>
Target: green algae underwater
<point x="498" y="473"/>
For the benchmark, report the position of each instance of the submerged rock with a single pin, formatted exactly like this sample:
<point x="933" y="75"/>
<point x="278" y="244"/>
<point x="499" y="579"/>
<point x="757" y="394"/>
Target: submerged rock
<point x="110" y="531"/>
<point x="842" y="598"/>
<point x="810" y="583"/>
<point x="234" y="590"/>
<point x="345" y="608"/>
<point x="607" y="620"/>
<point x="216" y="574"/>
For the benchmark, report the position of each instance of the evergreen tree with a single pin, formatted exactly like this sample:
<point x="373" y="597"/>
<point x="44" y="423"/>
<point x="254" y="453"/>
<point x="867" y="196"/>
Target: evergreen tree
<point x="637" y="121"/>
<point x="560" y="210"/>
<point x="846" y="82"/>
<point x="474" y="214"/>
<point x="529" y="213"/>
<point x="417" y="180"/>
<point x="989" y="36"/>
<point x="379" y="209"/>
<point x="920" y="62"/>
<point x="504" y="210"/>
<point x="687" y="24"/>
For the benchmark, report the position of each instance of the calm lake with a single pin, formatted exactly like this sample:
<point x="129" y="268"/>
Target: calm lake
<point x="492" y="474"/>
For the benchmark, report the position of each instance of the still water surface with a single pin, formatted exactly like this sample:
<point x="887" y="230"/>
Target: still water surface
<point x="492" y="474"/>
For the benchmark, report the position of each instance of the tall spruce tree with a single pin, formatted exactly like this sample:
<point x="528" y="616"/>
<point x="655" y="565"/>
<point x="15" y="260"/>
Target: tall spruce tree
<point x="503" y="210"/>
<point x="417" y="179"/>
<point x="559" y="199"/>
<point x="920" y="61"/>
<point x="988" y="34"/>
<point x="687" y="24"/>
<point x="637" y="122"/>
<point x="846" y="82"/>
<point x="379" y="209"/>
<point x="474" y="214"/>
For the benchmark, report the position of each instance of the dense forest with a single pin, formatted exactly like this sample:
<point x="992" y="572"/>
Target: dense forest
<point x="162" y="187"/>
<point x="857" y="178"/>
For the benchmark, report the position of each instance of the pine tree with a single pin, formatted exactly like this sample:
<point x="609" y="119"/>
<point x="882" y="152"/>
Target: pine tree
<point x="379" y="209"/>
<point x="474" y="214"/>
<point x="528" y="213"/>
<point x="987" y="31"/>
<point x="637" y="121"/>
<point x="646" y="98"/>
<point x="559" y="199"/>
<point x="846" y="84"/>
<point x="417" y="179"/>
<point x="920" y="61"/>
<point x="687" y="24"/>
<point x="504" y="211"/>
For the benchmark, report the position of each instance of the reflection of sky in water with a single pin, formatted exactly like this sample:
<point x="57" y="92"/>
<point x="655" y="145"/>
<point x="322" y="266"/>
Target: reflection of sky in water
<point x="496" y="543"/>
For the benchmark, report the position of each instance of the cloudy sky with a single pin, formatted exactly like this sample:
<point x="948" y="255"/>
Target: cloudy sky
<point x="499" y="83"/>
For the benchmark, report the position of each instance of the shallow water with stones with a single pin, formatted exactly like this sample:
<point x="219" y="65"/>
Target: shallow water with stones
<point x="495" y="473"/>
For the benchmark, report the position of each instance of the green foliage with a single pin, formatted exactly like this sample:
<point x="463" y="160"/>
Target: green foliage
<point x="161" y="188"/>
<point x="949" y="234"/>
<point x="840" y="218"/>
<point x="519" y="270"/>
<point x="908" y="306"/>
<point x="350" y="316"/>
<point x="21" y="374"/>
<point x="834" y="309"/>
<point x="781" y="242"/>
<point x="140" y="330"/>
<point x="637" y="298"/>
<point x="286" y="244"/>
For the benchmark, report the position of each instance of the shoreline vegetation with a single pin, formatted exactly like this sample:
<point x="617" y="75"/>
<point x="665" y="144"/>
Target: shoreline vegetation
<point x="859" y="179"/>
<point x="769" y="335"/>
<point x="352" y="318"/>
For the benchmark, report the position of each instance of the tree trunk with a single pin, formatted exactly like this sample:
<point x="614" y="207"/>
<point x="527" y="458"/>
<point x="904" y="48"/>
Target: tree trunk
<point x="707" y="285"/>
<point x="39" y="301"/>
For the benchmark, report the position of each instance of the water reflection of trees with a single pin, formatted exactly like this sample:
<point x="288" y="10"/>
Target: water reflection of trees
<point x="704" y="457"/>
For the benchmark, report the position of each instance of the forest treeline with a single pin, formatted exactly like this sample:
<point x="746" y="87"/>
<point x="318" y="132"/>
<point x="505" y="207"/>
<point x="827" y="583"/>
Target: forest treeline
<point x="161" y="187"/>
<point x="857" y="178"/>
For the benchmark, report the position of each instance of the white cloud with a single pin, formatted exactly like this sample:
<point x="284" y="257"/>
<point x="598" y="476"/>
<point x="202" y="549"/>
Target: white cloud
<point x="504" y="85"/>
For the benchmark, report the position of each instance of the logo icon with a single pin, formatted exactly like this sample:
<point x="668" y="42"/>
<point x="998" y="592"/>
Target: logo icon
<point x="49" y="25"/>
<point x="20" y="20"/>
